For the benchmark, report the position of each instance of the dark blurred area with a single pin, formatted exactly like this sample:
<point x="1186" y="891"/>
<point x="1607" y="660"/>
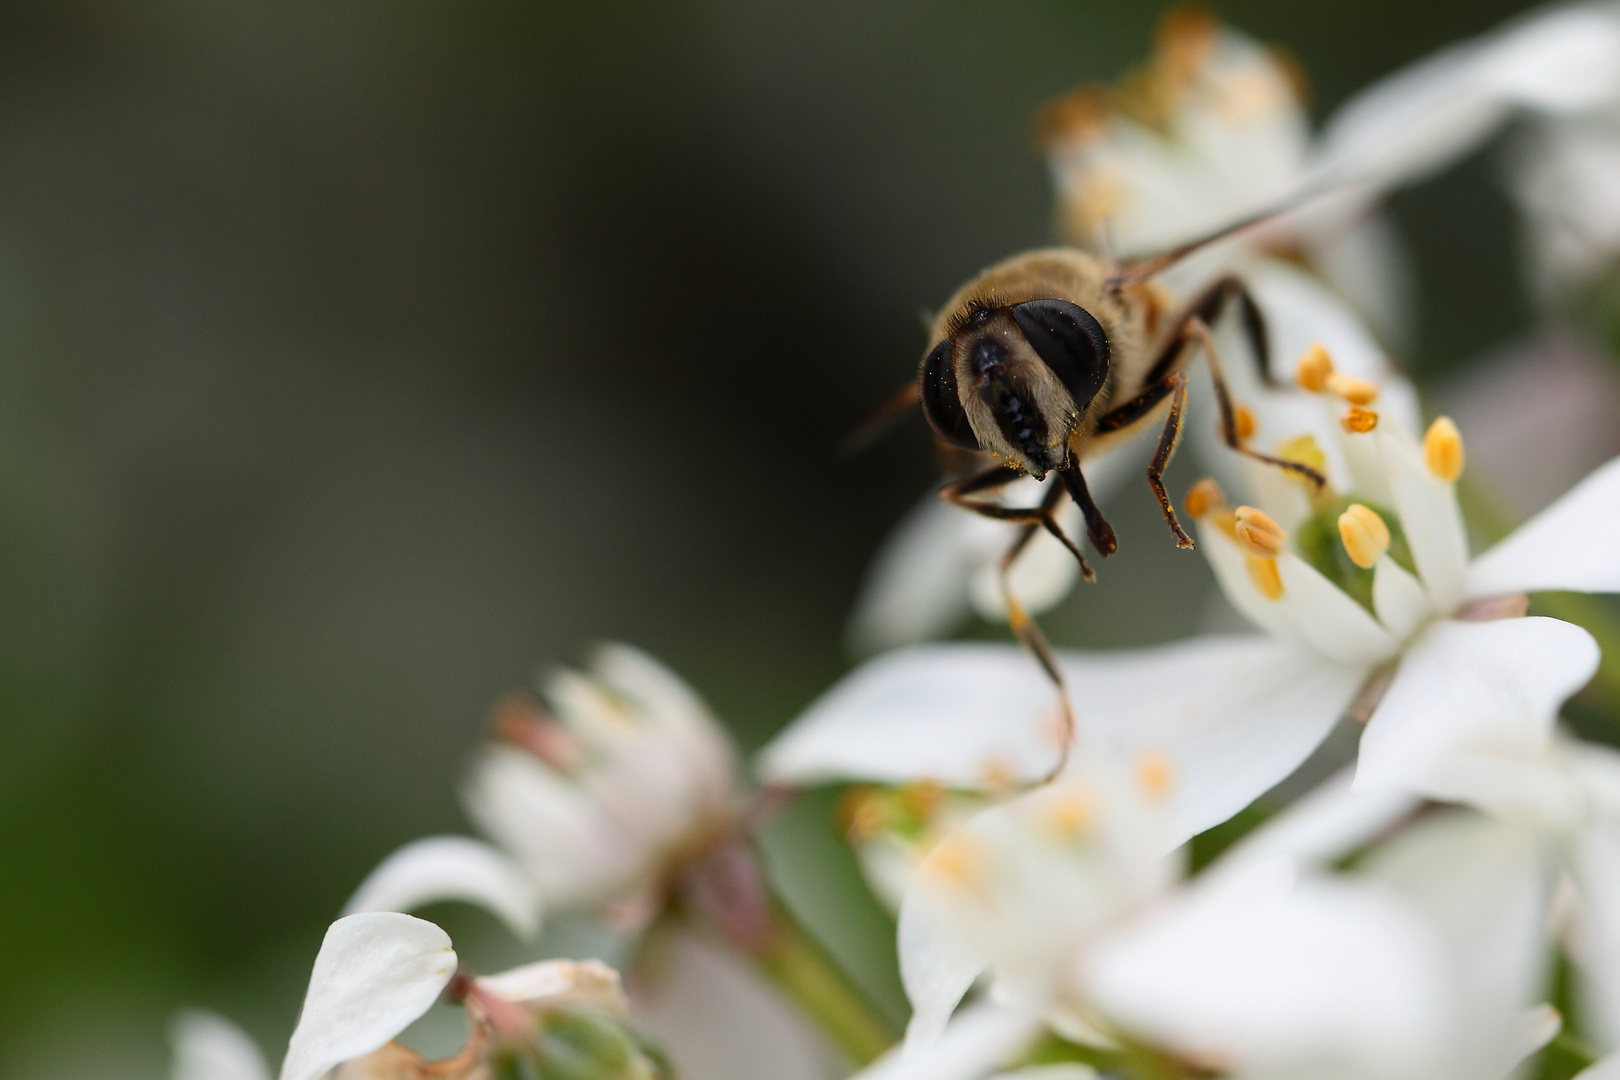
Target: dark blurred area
<point x="356" y="357"/>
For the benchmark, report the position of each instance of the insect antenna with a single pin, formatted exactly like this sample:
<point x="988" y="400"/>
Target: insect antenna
<point x="1140" y="270"/>
<point x="879" y="421"/>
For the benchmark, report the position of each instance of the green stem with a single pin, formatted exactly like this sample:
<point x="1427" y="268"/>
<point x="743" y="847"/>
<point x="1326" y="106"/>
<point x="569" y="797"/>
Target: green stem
<point x="817" y="984"/>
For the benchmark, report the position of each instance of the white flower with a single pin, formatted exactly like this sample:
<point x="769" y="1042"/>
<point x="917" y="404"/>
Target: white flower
<point x="375" y="974"/>
<point x="1565" y="176"/>
<point x="594" y="799"/>
<point x="1212" y="131"/>
<point x="1232" y="716"/>
<point x="1258" y="968"/>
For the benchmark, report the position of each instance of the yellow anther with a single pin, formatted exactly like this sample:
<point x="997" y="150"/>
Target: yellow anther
<point x="1259" y="533"/>
<point x="1070" y="815"/>
<point x="959" y="859"/>
<point x="1154" y="774"/>
<point x="1305" y="451"/>
<point x="1355" y="391"/>
<point x="1443" y="449"/>
<point x="921" y="799"/>
<point x="1364" y="534"/>
<point x="1314" y="368"/>
<point x="863" y="813"/>
<point x="1246" y="424"/>
<point x="1265" y="575"/>
<point x="1203" y="497"/>
<point x="1358" y="421"/>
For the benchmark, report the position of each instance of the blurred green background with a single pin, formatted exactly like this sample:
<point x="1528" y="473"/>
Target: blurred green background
<point x="357" y="357"/>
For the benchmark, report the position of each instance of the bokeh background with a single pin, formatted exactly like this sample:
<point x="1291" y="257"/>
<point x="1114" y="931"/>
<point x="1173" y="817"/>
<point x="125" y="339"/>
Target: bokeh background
<point x="359" y="358"/>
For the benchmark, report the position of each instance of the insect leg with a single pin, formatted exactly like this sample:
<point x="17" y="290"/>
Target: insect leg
<point x="1197" y="330"/>
<point x="1023" y="627"/>
<point x="1097" y="527"/>
<point x="1173" y="386"/>
<point x="957" y="491"/>
<point x="1208" y="306"/>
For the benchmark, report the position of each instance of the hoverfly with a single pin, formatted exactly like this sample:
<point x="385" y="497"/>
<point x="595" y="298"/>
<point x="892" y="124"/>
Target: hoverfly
<point x="1055" y="354"/>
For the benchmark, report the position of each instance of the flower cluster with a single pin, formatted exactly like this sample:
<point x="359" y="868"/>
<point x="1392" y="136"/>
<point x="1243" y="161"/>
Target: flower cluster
<point x="1354" y="842"/>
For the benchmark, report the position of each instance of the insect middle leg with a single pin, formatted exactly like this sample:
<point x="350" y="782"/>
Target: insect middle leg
<point x="1172" y="386"/>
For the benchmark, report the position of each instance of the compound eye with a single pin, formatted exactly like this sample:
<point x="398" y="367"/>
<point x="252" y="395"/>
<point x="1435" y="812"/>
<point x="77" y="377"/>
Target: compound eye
<point x="941" y="404"/>
<point x="1070" y="341"/>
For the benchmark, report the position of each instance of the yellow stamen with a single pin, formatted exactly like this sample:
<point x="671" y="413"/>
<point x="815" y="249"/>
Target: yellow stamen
<point x="1358" y="421"/>
<point x="921" y="799"/>
<point x="1443" y="449"/>
<point x="1314" y="368"/>
<point x="1355" y="391"/>
<point x="1305" y="451"/>
<point x="1070" y="815"/>
<point x="1153" y="772"/>
<point x="1203" y="497"/>
<point x="1265" y="575"/>
<point x="862" y="813"/>
<point x="1364" y="534"/>
<point x="1245" y="423"/>
<point x="1259" y="533"/>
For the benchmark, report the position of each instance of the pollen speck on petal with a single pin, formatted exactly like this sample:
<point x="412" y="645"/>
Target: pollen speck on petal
<point x="1443" y="449"/>
<point x="1154" y="774"/>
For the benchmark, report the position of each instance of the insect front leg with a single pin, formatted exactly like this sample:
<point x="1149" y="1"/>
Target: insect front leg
<point x="1173" y="386"/>
<point x="957" y="492"/>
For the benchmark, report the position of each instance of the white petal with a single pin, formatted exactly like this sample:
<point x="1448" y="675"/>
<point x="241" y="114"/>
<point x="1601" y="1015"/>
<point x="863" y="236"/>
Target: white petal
<point x="376" y="973"/>
<point x="1267" y="975"/>
<point x="1607" y="1068"/>
<point x="210" y="1047"/>
<point x="1433" y="524"/>
<point x="1573" y="544"/>
<point x="1483" y="887"/>
<point x="1398" y="598"/>
<point x="1468" y="695"/>
<point x="1428" y="115"/>
<point x="979" y="1040"/>
<point x="1594" y="943"/>
<point x="451" y="868"/>
<point x="1229" y="716"/>
<point x="1226" y="559"/>
<point x="1335" y="625"/>
<point x="917" y="585"/>
<point x="549" y="984"/>
<point x="936" y="966"/>
<point x="963" y="715"/>
<point x="576" y="853"/>
<point x="1325" y="825"/>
